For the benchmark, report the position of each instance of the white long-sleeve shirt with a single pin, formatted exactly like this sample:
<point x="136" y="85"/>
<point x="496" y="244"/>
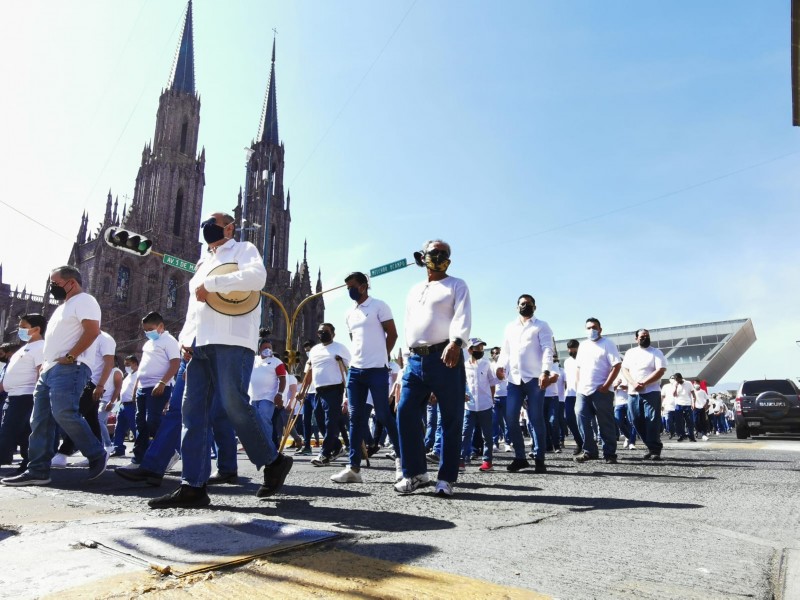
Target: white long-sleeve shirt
<point x="438" y="311"/>
<point x="203" y="323"/>
<point x="527" y="350"/>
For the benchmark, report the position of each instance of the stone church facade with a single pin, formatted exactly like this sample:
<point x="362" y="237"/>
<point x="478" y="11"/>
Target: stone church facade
<point x="167" y="207"/>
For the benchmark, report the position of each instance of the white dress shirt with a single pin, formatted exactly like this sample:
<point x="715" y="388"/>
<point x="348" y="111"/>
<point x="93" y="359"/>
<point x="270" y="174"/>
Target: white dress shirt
<point x="203" y="323"/>
<point x="527" y="350"/>
<point x="438" y="311"/>
<point x="365" y="323"/>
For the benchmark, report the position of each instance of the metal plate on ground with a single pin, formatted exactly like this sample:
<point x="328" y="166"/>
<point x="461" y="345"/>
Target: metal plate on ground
<point x="187" y="545"/>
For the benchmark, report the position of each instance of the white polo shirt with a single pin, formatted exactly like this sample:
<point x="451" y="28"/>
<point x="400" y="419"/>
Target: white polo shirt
<point x="265" y="382"/>
<point x="595" y="361"/>
<point x="438" y="311"/>
<point x="365" y="323"/>
<point x="156" y="355"/>
<point x="527" y="350"/>
<point x="21" y="373"/>
<point x="325" y="369"/>
<point x="65" y="328"/>
<point x="480" y="379"/>
<point x="105" y="345"/>
<point x="642" y="363"/>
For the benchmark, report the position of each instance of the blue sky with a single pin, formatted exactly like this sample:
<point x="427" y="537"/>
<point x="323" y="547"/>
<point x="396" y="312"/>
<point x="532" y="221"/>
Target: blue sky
<point x="632" y="160"/>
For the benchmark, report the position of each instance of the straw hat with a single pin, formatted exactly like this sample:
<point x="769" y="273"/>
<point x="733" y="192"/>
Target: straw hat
<point x="233" y="304"/>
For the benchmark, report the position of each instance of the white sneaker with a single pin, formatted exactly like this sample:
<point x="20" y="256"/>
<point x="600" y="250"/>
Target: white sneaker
<point x="398" y="470"/>
<point x="175" y="458"/>
<point x="631" y="446"/>
<point x="406" y="485"/>
<point x="59" y="461"/>
<point x="705" y="438"/>
<point x="81" y="463"/>
<point x="496" y="448"/>
<point x="624" y="445"/>
<point x="444" y="489"/>
<point x="347" y="475"/>
<point x="508" y="448"/>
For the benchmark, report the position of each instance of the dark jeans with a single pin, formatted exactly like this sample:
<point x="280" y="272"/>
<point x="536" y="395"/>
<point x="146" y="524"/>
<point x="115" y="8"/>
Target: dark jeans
<point x="499" y="426"/>
<point x="312" y="411"/>
<point x="16" y="428"/>
<point x="534" y="395"/>
<point x="149" y="410"/>
<point x="646" y="412"/>
<point x="168" y="438"/>
<point x="331" y="399"/>
<point x="599" y="405"/>
<point x="360" y="383"/>
<point x="126" y="421"/>
<point x="623" y="420"/>
<point x="684" y="421"/>
<point x="87" y="407"/>
<point x="553" y="424"/>
<point x="572" y="420"/>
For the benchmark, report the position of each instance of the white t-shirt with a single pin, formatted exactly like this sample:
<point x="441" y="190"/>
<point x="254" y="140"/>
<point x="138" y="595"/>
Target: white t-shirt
<point x="552" y="389"/>
<point x="290" y="393"/>
<point x="21" y="373"/>
<point x="105" y="345"/>
<point x="642" y="363"/>
<point x="620" y="396"/>
<point x="682" y="393"/>
<point x="156" y="355"/>
<point x="501" y="389"/>
<point x="108" y="389"/>
<point x="65" y="328"/>
<point x="126" y="393"/>
<point x="667" y="400"/>
<point x="264" y="382"/>
<point x="365" y="323"/>
<point x="480" y="379"/>
<point x="595" y="361"/>
<point x="325" y="369"/>
<point x="701" y="398"/>
<point x="438" y="311"/>
<point x="570" y="375"/>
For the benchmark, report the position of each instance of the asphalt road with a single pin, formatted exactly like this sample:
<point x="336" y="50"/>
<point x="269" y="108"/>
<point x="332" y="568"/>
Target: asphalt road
<point x="716" y="519"/>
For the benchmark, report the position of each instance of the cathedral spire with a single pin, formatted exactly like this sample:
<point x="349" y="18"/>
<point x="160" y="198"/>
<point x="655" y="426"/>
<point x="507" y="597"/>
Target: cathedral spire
<point x="107" y="217"/>
<point x="182" y="77"/>
<point x="268" y="132"/>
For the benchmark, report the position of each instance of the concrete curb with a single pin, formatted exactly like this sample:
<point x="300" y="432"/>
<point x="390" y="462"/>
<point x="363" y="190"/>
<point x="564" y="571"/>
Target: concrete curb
<point x="789" y="576"/>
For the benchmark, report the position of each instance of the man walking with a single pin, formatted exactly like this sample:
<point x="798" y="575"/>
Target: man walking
<point x="683" y="392"/>
<point x="643" y="368"/>
<point x="437" y="324"/>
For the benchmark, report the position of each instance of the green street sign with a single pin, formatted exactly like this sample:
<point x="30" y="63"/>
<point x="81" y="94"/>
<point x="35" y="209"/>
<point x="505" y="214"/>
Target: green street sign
<point x="392" y="266"/>
<point x="174" y="261"/>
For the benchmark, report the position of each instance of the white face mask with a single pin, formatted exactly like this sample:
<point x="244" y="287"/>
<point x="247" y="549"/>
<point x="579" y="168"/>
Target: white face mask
<point x="697" y="387"/>
<point x="266" y="353"/>
<point x="594" y="335"/>
<point x="128" y="370"/>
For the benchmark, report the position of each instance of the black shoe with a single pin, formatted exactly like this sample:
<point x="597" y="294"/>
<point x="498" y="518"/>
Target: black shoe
<point x="117" y="453"/>
<point x="184" y="497"/>
<point x="611" y="460"/>
<point x="681" y="438"/>
<point x="671" y="435"/>
<point x="531" y="455"/>
<point x="577" y="451"/>
<point x="218" y="478"/>
<point x="692" y="439"/>
<point x="517" y="464"/>
<point x="584" y="457"/>
<point x="371" y="450"/>
<point x="651" y="456"/>
<point x="274" y="476"/>
<point x="97" y="466"/>
<point x="138" y="474"/>
<point x="538" y="466"/>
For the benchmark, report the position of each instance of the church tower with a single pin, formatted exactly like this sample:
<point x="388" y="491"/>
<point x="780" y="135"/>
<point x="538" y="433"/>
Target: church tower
<point x="166" y="207"/>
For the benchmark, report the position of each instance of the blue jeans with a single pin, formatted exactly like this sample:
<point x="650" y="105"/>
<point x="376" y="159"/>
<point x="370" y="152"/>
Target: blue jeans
<point x="168" y="439"/>
<point x="265" y="410"/>
<point x="359" y="384"/>
<point x="224" y="370"/>
<point x="311" y="409"/>
<point x="684" y="421"/>
<point x="645" y="409"/>
<point x="126" y="421"/>
<point x="572" y="421"/>
<point x="149" y="410"/>
<point x="552" y="422"/>
<point x="424" y="375"/>
<point x="483" y="419"/>
<point x="432" y="434"/>
<point x="55" y="402"/>
<point x="16" y="428"/>
<point x="535" y="396"/>
<point x="601" y="406"/>
<point x="102" y="418"/>
<point x="499" y="425"/>
<point x="623" y="421"/>
<point x="331" y="399"/>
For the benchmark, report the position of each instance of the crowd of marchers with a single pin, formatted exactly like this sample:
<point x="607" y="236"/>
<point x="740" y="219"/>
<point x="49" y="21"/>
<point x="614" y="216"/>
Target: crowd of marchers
<point x="440" y="404"/>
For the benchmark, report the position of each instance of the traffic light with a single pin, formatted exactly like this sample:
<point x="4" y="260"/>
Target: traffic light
<point x="128" y="241"/>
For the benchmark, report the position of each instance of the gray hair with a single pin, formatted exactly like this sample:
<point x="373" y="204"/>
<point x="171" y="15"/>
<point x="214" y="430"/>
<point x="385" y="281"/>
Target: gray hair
<point x="68" y="272"/>
<point x="427" y="245"/>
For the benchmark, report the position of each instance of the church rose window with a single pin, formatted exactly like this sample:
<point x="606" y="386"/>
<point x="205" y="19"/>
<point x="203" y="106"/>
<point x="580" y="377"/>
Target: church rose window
<point x="123" y="283"/>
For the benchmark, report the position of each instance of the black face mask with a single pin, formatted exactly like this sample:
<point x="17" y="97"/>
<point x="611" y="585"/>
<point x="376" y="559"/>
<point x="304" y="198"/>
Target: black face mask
<point x="573" y="353"/>
<point x="325" y="337"/>
<point x="477" y="354"/>
<point x="526" y="311"/>
<point x="211" y="231"/>
<point x="644" y="342"/>
<point x="57" y="292"/>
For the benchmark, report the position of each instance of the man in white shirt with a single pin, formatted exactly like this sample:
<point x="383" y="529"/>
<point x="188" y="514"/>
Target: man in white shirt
<point x="18" y="382"/>
<point x="437" y="324"/>
<point x="326" y="368"/>
<point x="223" y="349"/>
<point x="67" y="362"/>
<point x="526" y="358"/>
<point x="126" y="417"/>
<point x="267" y="391"/>
<point x="481" y="382"/>
<point x="643" y="368"/>
<point x="373" y="333"/>
<point x="552" y="406"/>
<point x="599" y="363"/>
<point x="499" y="427"/>
<point x="701" y="402"/>
<point x="683" y="392"/>
<point x="570" y="376"/>
<point x="161" y="357"/>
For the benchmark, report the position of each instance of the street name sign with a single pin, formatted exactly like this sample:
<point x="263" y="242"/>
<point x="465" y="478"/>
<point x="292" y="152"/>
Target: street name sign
<point x="174" y="261"/>
<point x="392" y="266"/>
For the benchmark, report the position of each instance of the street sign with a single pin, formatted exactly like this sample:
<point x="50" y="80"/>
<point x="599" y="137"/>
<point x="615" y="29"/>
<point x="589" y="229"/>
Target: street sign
<point x="174" y="261"/>
<point x="392" y="266"/>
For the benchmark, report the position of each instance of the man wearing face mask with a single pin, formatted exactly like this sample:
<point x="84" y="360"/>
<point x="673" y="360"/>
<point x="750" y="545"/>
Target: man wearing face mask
<point x="571" y="376"/>
<point x="643" y="368"/>
<point x="525" y="359"/>
<point x="126" y="417"/>
<point x="438" y="321"/>
<point x="222" y="348"/>
<point x="325" y="365"/>
<point x="67" y="362"/>
<point x="267" y="391"/>
<point x="599" y="364"/>
<point x="161" y="357"/>
<point x="683" y="392"/>
<point x="373" y="333"/>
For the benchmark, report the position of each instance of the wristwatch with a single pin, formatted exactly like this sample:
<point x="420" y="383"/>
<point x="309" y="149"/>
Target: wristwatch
<point x="70" y="358"/>
<point x="458" y="342"/>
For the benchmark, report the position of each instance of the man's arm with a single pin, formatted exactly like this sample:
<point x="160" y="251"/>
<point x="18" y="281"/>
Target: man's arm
<point x="391" y="335"/>
<point x="172" y="370"/>
<point x="117" y="382"/>
<point x="91" y="329"/>
<point x="610" y="379"/>
<point x="278" y="399"/>
<point x="459" y="326"/>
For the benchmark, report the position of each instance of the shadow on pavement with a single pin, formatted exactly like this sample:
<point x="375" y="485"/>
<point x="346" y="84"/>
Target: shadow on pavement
<point x="581" y="504"/>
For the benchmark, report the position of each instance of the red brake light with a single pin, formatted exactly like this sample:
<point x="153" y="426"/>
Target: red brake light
<point x="738" y="405"/>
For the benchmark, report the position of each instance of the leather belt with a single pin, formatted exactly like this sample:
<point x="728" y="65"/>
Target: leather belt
<point x="426" y="350"/>
<point x="325" y="388"/>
